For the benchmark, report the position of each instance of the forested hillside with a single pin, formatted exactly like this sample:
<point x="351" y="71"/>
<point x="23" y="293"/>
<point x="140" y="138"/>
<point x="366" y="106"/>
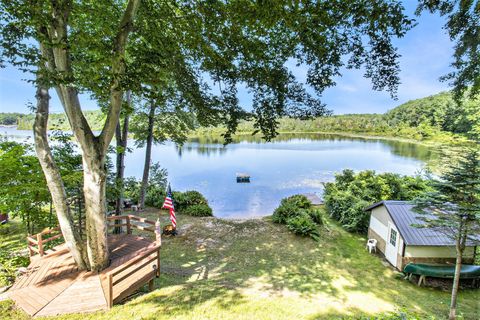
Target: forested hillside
<point x="437" y="118"/>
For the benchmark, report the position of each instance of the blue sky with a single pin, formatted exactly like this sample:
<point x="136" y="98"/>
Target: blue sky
<point x="426" y="55"/>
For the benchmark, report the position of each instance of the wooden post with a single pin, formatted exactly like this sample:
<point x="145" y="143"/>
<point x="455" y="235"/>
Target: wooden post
<point x="40" y="244"/>
<point x="150" y="285"/>
<point x="158" y="232"/>
<point x="110" y="292"/>
<point x="158" y="263"/>
<point x="158" y="239"/>
<point x="129" y="226"/>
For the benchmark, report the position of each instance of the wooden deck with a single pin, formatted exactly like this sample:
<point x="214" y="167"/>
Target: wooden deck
<point x="53" y="284"/>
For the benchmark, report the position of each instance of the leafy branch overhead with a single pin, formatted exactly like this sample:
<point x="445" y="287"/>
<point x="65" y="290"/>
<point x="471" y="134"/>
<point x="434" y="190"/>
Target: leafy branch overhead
<point x="209" y="49"/>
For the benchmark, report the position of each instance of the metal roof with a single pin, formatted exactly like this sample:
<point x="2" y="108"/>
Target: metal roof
<point x="403" y="216"/>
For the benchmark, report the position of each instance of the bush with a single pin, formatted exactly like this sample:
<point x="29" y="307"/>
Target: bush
<point x="303" y="225"/>
<point x="317" y="216"/>
<point x="297" y="200"/>
<point x="347" y="197"/>
<point x="285" y="211"/>
<point x="198" y="210"/>
<point x="185" y="199"/>
<point x="131" y="189"/>
<point x="299" y="215"/>
<point x="9" y="263"/>
<point x="155" y="197"/>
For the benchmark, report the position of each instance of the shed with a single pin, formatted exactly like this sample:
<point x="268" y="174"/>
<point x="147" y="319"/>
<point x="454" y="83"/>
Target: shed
<point x="391" y="224"/>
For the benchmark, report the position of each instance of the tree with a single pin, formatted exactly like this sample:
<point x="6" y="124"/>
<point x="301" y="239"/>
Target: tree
<point x="163" y="116"/>
<point x="121" y="137"/>
<point x="463" y="25"/>
<point x="90" y="46"/>
<point x="23" y="192"/>
<point x="453" y="208"/>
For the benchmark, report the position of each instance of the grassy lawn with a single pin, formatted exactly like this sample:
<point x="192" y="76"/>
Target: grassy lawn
<point x="255" y="269"/>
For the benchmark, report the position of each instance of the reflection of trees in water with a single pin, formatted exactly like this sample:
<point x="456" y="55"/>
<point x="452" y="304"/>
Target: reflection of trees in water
<point x="213" y="144"/>
<point x="202" y="149"/>
<point x="411" y="150"/>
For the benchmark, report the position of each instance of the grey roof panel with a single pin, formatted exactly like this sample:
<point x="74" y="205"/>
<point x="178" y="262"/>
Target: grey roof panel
<point x="404" y="217"/>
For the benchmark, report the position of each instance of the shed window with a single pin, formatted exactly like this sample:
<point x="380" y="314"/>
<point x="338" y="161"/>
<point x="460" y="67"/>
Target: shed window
<point x="393" y="237"/>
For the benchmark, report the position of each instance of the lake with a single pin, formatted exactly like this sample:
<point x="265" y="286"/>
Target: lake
<point x="291" y="164"/>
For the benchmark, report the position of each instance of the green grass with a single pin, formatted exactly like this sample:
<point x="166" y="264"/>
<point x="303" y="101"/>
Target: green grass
<point x="255" y="269"/>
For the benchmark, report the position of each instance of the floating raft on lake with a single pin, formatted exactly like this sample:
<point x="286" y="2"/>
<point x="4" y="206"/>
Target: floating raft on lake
<point x="243" y="178"/>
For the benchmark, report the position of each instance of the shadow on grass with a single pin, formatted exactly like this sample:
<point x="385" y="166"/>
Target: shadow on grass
<point x="230" y="263"/>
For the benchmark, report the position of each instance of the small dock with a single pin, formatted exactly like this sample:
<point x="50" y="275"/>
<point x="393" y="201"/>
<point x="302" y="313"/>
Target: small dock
<point x="243" y="178"/>
<point x="53" y="285"/>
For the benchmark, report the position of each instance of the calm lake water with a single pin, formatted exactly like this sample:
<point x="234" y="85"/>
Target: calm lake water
<point x="289" y="165"/>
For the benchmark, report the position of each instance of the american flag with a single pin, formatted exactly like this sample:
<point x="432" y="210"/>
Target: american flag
<point x="168" y="204"/>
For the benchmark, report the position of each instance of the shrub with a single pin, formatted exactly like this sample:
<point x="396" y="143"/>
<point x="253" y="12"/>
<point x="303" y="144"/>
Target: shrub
<point x="198" y="210"/>
<point x="185" y="199"/>
<point x="9" y="263"/>
<point x="347" y="197"/>
<point x="297" y="200"/>
<point x="155" y="197"/>
<point x="303" y="225"/>
<point x="317" y="216"/>
<point x="285" y="211"/>
<point x="131" y="189"/>
<point x="299" y="215"/>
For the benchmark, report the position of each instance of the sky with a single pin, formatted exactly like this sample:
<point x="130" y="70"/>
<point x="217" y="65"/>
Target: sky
<point x="426" y="53"/>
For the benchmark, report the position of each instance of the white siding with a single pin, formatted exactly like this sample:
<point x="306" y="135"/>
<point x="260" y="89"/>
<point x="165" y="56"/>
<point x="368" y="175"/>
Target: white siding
<point x="378" y="227"/>
<point x="435" y="252"/>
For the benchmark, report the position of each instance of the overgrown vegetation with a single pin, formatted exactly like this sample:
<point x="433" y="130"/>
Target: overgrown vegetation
<point x="13" y="253"/>
<point x="23" y="193"/>
<point x="347" y="197"/>
<point x="300" y="216"/>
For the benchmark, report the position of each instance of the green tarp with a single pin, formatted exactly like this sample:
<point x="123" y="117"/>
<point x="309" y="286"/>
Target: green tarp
<point x="442" y="271"/>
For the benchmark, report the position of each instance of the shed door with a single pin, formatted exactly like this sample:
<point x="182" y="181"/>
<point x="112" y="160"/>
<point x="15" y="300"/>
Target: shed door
<point x="392" y="244"/>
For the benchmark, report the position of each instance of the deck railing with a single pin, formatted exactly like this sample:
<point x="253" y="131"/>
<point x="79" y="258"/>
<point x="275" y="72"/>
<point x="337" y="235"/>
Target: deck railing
<point x="133" y="274"/>
<point x="36" y="243"/>
<point x="130" y="221"/>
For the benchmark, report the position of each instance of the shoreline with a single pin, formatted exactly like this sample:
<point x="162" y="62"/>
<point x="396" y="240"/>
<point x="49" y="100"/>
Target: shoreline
<point x="456" y="141"/>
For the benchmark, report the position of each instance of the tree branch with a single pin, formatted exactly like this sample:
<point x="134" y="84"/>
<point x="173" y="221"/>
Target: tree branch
<point x="118" y="70"/>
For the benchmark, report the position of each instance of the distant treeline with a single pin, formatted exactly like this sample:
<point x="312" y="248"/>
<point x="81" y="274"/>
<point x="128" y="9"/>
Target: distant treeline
<point x="56" y="121"/>
<point x="10" y="118"/>
<point x="436" y="118"/>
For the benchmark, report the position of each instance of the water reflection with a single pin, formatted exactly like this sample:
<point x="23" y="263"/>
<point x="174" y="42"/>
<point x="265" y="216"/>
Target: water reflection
<point x="292" y="163"/>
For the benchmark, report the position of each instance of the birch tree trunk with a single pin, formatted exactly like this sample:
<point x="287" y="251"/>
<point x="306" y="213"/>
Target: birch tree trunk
<point x="460" y="247"/>
<point x="54" y="180"/>
<point x="148" y="155"/>
<point x="95" y="179"/>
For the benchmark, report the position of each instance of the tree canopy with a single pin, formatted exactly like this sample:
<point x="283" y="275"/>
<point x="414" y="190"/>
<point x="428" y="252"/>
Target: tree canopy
<point x="463" y="27"/>
<point x="210" y="48"/>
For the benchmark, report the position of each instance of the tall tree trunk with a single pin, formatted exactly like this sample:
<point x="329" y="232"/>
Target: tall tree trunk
<point x="121" y="136"/>
<point x="148" y="155"/>
<point x="460" y="247"/>
<point x="95" y="180"/>
<point x="54" y="180"/>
